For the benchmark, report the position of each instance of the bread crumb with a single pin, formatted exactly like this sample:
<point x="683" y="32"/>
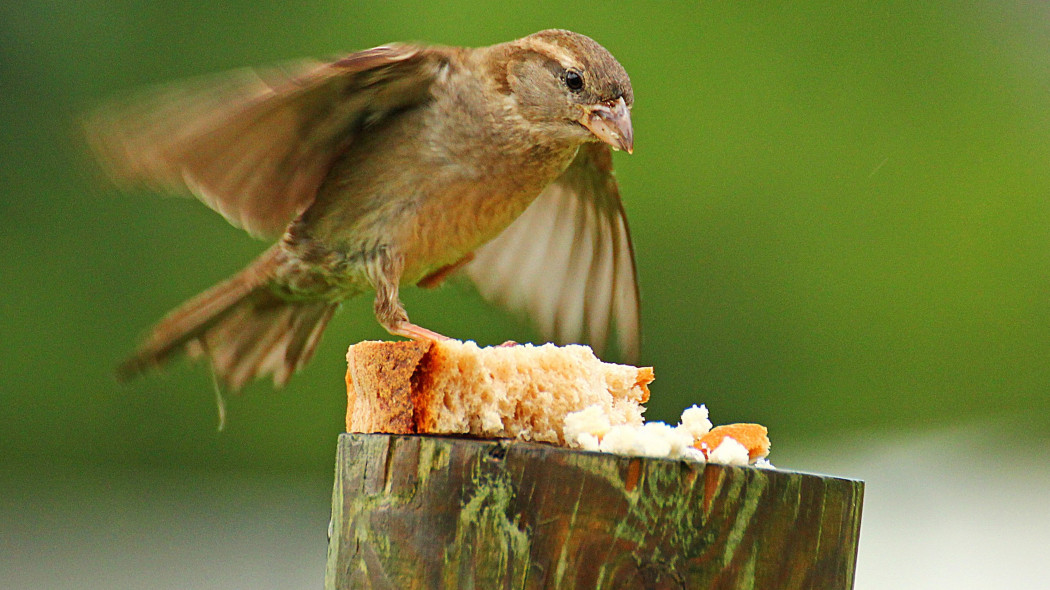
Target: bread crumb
<point x="764" y="463"/>
<point x="588" y="442"/>
<point x="694" y="454"/>
<point x="729" y="452"/>
<point x="693" y="439"/>
<point x="620" y="439"/>
<point x="591" y="422"/>
<point x="673" y="439"/>
<point x="652" y="439"/>
<point x="754" y="437"/>
<point x="695" y="420"/>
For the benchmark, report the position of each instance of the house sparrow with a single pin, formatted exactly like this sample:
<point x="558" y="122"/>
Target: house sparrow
<point x="393" y="166"/>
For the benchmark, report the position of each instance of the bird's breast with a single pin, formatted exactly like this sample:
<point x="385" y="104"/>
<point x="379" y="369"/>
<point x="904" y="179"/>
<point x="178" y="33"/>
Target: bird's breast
<point x="455" y="219"/>
<point x="433" y="185"/>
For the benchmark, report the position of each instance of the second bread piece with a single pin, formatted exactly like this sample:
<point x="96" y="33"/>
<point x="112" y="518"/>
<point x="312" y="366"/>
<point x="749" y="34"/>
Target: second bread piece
<point x="454" y="387"/>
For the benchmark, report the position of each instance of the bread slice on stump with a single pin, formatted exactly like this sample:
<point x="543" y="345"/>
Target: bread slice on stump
<point x="454" y="387"/>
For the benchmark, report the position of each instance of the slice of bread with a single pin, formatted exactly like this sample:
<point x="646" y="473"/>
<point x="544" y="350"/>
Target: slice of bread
<point x="454" y="387"/>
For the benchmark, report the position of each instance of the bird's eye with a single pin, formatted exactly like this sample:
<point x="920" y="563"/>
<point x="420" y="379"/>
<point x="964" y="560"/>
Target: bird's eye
<point x="574" y="80"/>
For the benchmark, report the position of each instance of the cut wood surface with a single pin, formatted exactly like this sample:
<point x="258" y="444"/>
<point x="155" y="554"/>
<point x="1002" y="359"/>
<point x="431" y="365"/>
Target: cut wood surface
<point x="430" y="512"/>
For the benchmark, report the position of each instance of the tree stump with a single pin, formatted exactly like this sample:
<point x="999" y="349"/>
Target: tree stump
<point x="429" y="512"/>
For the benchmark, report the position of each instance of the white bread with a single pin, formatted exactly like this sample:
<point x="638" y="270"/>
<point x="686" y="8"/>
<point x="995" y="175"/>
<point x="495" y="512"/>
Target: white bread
<point x="561" y="395"/>
<point x="454" y="387"/>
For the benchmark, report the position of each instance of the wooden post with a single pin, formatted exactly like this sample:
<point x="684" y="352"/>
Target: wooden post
<point x="429" y="512"/>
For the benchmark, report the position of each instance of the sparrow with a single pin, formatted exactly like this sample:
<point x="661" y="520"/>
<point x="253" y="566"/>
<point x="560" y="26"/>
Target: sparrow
<point x="394" y="166"/>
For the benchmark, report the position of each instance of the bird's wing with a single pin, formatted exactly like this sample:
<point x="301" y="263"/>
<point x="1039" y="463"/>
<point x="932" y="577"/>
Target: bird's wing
<point x="567" y="261"/>
<point x="253" y="145"/>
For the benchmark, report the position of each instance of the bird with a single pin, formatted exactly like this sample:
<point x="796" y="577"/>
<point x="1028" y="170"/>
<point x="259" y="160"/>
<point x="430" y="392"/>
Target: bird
<point x="396" y="166"/>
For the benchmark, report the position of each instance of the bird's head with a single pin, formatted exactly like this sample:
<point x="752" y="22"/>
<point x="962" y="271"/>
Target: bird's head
<point x="569" y="85"/>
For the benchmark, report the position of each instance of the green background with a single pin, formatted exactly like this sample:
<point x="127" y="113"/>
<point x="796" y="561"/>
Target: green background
<point x="840" y="213"/>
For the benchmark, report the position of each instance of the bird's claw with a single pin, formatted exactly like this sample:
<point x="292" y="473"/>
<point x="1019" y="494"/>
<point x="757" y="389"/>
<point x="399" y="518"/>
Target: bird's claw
<point x="410" y="330"/>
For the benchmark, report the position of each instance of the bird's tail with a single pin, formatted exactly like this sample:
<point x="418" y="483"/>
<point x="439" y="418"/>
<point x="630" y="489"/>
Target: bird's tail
<point x="245" y="330"/>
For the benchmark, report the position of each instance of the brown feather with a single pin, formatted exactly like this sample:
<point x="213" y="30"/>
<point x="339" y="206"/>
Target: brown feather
<point x="255" y="146"/>
<point x="245" y="328"/>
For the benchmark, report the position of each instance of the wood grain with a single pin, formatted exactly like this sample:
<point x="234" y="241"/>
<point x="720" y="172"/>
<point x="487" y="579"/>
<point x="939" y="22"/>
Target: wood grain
<point x="428" y="512"/>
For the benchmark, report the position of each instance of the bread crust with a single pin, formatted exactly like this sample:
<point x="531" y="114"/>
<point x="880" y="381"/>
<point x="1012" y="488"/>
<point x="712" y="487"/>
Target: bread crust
<point x="379" y="386"/>
<point x="754" y="437"/>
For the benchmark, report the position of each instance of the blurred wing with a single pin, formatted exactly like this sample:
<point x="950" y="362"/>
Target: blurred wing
<point x="255" y="146"/>
<point x="567" y="261"/>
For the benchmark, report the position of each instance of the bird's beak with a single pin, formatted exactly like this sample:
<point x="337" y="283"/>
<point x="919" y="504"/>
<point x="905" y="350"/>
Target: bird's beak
<point x="610" y="122"/>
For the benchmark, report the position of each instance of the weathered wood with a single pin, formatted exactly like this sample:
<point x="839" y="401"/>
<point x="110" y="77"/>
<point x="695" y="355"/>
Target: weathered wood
<point x="428" y="512"/>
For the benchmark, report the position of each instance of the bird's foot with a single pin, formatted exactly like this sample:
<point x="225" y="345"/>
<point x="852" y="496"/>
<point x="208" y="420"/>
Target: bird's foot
<point x="410" y="330"/>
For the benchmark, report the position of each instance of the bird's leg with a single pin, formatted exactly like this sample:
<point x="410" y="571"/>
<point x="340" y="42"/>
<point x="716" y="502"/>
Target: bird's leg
<point x="437" y="277"/>
<point x="384" y="272"/>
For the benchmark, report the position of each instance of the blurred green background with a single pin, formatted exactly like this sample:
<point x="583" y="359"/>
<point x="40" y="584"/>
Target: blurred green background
<point x="840" y="213"/>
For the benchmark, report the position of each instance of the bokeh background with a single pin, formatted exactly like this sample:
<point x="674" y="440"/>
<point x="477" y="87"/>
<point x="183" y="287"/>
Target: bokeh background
<point x="842" y="220"/>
